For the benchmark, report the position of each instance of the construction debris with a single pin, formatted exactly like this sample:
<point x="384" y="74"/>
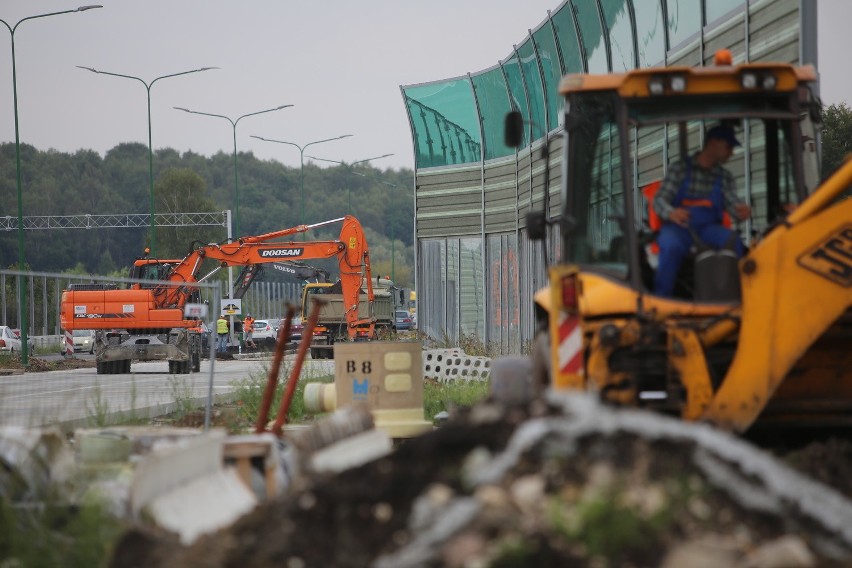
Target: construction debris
<point x="566" y="482"/>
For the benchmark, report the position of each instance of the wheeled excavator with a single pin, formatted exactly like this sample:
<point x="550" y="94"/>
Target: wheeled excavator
<point x="762" y="341"/>
<point x="147" y="320"/>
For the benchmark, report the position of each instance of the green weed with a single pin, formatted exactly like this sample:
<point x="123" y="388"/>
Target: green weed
<point x="97" y="414"/>
<point x="51" y="533"/>
<point x="249" y="395"/>
<point x="439" y="396"/>
<point x="182" y="394"/>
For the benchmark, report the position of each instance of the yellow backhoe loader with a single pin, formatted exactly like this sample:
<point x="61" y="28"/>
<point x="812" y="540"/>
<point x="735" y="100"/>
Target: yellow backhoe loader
<point x="766" y="339"/>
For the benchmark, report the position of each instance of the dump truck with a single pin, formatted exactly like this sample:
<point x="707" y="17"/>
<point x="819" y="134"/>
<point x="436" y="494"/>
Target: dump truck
<point x="763" y="341"/>
<point x="331" y="325"/>
<point x="147" y="321"/>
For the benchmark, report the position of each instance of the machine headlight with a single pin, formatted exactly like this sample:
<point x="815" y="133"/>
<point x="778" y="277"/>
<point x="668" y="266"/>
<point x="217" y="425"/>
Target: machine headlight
<point x="748" y="81"/>
<point x="656" y="86"/>
<point x="678" y="83"/>
<point x="769" y="82"/>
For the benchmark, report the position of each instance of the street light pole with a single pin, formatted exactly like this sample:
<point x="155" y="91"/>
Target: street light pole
<point x="393" y="239"/>
<point x="148" y="85"/>
<point x="302" y="167"/>
<point x="22" y="283"/>
<point x="342" y="163"/>
<point x="234" y="125"/>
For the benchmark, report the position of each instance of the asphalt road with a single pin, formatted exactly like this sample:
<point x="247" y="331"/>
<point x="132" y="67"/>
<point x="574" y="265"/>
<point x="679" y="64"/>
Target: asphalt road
<point x="79" y="397"/>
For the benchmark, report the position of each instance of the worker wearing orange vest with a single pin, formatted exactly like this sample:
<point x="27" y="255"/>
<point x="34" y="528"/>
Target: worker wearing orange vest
<point x="248" y="329"/>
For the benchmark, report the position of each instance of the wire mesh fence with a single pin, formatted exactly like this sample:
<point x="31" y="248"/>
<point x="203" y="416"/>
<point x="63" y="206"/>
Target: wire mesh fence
<point x="55" y="389"/>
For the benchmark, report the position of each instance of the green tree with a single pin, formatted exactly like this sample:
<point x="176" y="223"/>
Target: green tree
<point x="181" y="190"/>
<point x="106" y="264"/>
<point x="836" y="137"/>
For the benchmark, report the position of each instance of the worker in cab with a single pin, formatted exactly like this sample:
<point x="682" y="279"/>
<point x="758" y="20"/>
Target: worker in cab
<point x="692" y="201"/>
<point x="248" y="331"/>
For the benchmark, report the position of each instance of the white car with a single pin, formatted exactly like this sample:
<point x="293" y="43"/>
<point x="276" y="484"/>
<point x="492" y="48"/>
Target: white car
<point x="84" y="340"/>
<point x="9" y="341"/>
<point x="264" y="333"/>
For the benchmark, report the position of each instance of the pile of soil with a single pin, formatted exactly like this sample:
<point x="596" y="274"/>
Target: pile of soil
<point x="535" y="487"/>
<point x="38" y="365"/>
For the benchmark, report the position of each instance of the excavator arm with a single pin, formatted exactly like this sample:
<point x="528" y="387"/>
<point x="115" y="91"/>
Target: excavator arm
<point x="350" y="248"/>
<point x="797" y="286"/>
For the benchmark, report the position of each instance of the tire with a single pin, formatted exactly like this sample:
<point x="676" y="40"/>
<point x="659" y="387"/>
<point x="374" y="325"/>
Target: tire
<point x="196" y="363"/>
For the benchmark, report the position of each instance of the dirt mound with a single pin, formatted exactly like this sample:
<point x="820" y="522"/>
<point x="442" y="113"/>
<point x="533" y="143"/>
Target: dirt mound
<point x="38" y="365"/>
<point x="579" y="485"/>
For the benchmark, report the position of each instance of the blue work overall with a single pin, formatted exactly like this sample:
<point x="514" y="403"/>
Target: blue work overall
<point x="705" y="219"/>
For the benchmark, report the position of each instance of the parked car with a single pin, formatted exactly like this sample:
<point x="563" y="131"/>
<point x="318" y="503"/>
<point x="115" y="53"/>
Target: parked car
<point x="9" y="342"/>
<point x="30" y="340"/>
<point x="84" y="340"/>
<point x="296" y="327"/>
<point x="264" y="334"/>
<point x="403" y="320"/>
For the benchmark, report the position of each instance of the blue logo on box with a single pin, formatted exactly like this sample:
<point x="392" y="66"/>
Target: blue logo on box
<point x="360" y="389"/>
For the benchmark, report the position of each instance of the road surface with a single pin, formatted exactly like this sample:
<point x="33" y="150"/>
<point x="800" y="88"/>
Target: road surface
<point x="80" y="397"/>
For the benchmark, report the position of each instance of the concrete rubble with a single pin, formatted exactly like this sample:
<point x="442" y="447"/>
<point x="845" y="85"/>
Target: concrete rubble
<point x="564" y="481"/>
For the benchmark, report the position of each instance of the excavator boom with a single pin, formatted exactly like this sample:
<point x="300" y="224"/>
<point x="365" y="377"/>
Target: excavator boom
<point x="161" y="305"/>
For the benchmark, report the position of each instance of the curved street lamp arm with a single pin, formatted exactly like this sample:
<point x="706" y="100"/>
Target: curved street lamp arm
<point x="80" y="9"/>
<point x="260" y="112"/>
<point x="206" y="114"/>
<point x="342" y="163"/>
<point x="147" y="85"/>
<point x="182" y="73"/>
<point x="326" y="140"/>
<point x="277" y="141"/>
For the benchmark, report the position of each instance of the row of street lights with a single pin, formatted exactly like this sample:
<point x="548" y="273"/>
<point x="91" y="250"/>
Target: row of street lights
<point x="148" y="85"/>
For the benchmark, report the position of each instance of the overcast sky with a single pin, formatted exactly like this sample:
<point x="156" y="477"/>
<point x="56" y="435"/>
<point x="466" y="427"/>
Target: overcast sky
<point x="339" y="62"/>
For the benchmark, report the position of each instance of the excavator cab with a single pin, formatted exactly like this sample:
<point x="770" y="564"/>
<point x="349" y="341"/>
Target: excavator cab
<point x="732" y="345"/>
<point x="151" y="269"/>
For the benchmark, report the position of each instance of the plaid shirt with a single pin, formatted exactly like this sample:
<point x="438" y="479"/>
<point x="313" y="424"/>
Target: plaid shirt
<point x="701" y="186"/>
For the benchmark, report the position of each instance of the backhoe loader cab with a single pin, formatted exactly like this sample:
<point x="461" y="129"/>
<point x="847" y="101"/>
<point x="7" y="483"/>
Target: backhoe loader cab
<point x="765" y="337"/>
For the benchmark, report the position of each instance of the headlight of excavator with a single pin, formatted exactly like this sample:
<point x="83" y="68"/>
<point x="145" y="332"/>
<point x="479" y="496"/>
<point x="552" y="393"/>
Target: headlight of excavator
<point x="748" y="81"/>
<point x="678" y="83"/>
<point x="769" y="82"/>
<point x="656" y="86"/>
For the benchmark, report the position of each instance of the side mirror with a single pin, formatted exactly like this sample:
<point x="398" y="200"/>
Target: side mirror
<point x="536" y="225"/>
<point x="514" y="129"/>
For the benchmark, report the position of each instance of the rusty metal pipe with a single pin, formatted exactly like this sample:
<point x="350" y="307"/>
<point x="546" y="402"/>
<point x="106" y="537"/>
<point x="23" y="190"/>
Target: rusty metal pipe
<point x="272" y="380"/>
<point x="297" y="366"/>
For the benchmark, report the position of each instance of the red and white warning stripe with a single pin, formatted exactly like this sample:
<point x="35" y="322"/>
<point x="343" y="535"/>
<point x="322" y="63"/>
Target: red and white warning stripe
<point x="570" y="344"/>
<point x="69" y="343"/>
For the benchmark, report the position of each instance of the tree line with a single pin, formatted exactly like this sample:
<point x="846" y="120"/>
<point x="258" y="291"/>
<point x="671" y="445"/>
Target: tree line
<point x="57" y="183"/>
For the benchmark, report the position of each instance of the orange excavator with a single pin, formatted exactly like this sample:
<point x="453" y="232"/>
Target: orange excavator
<point x="147" y="321"/>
